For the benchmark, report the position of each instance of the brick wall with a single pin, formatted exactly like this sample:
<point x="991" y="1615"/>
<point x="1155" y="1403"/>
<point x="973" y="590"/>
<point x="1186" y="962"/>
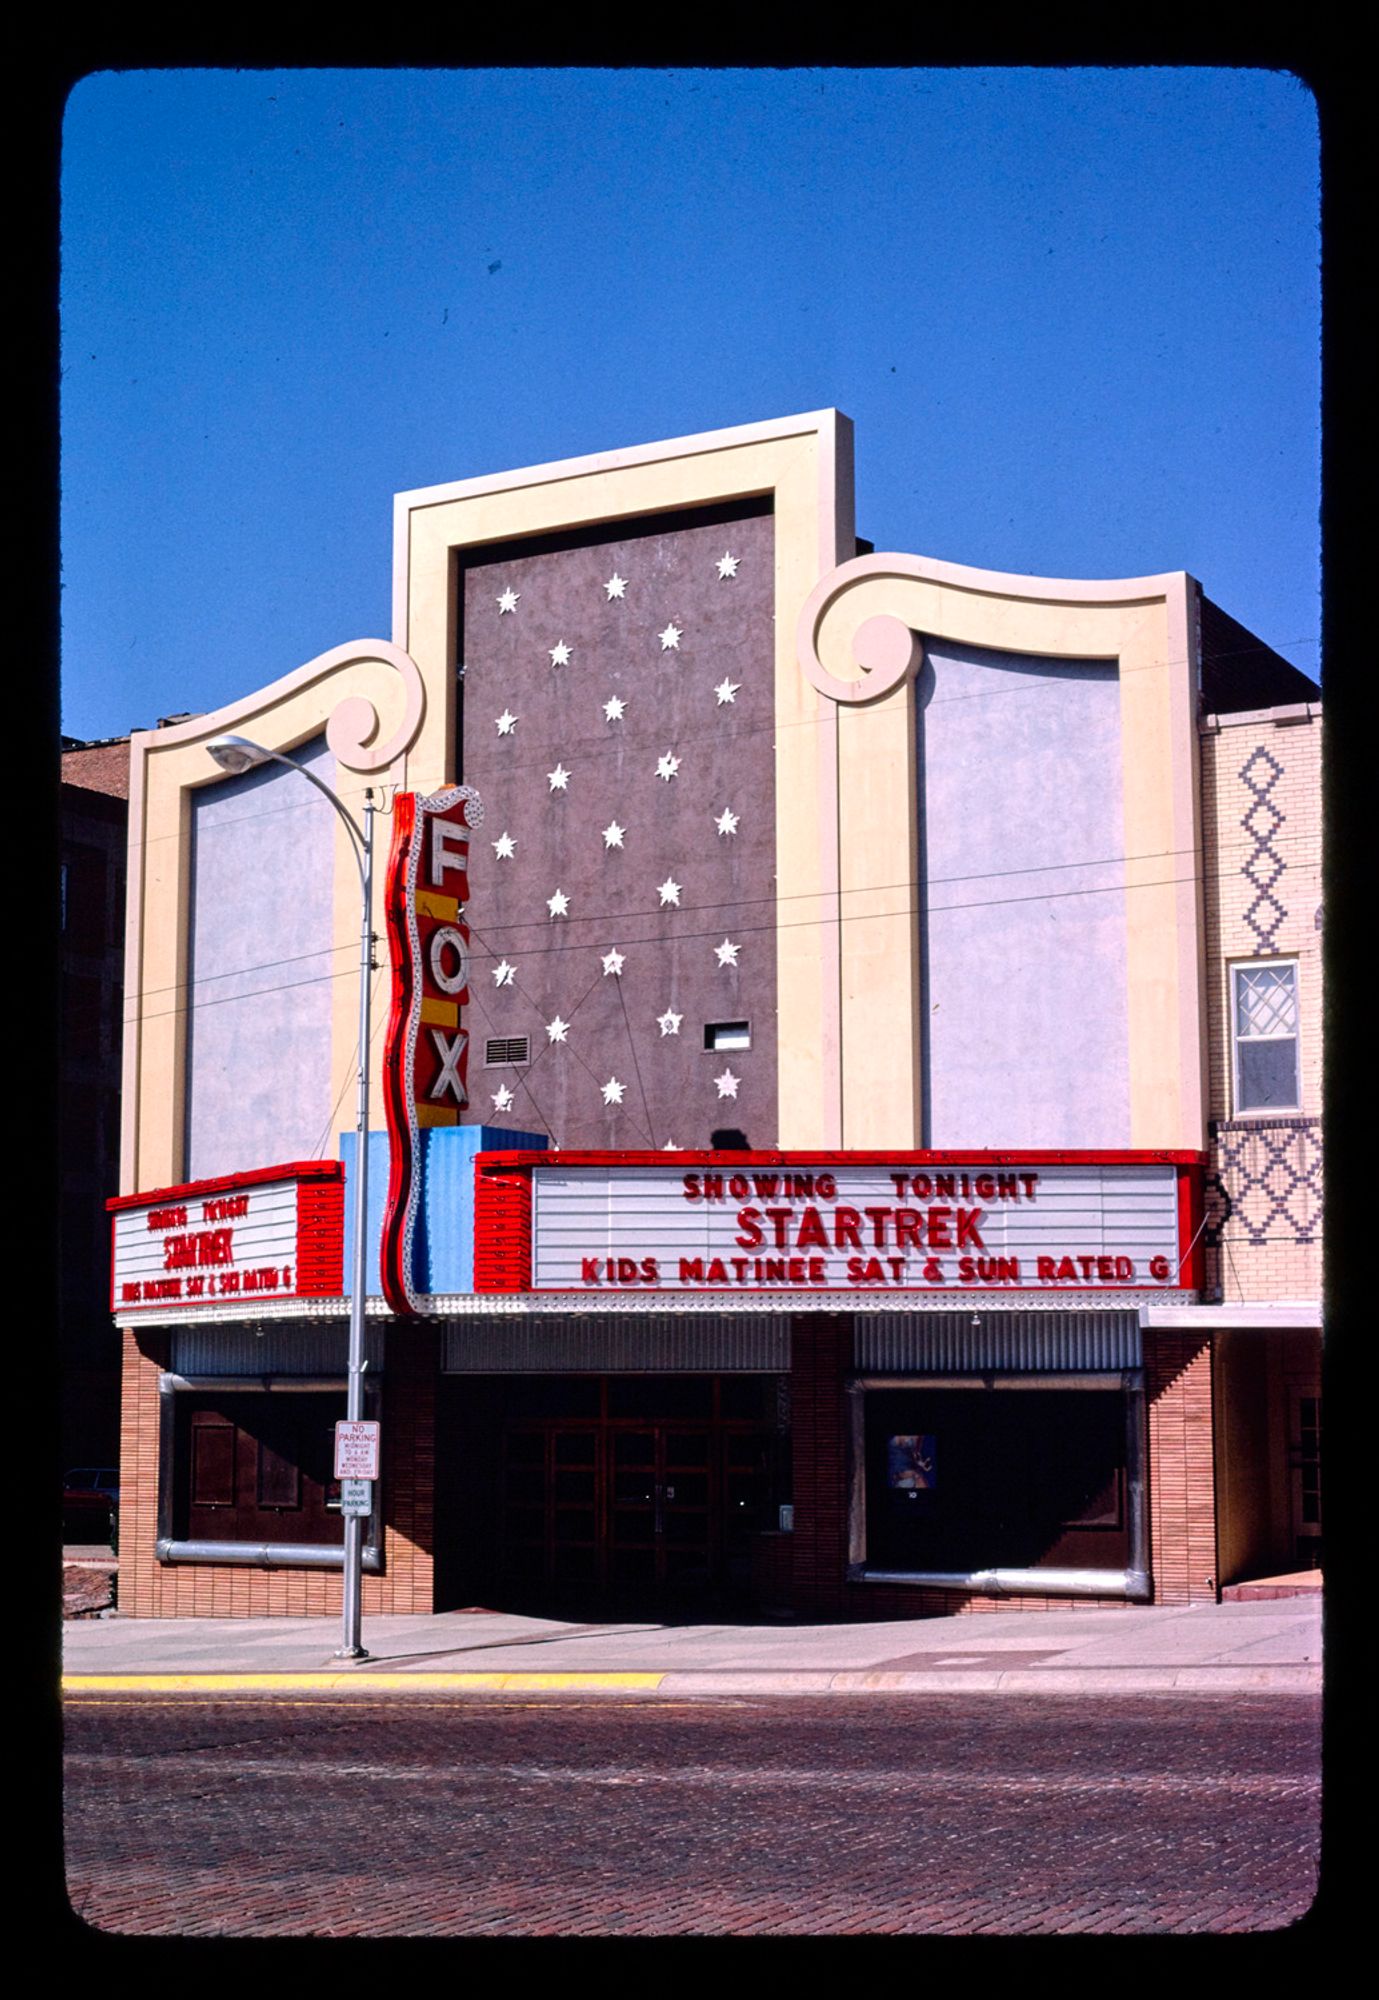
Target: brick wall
<point x="99" y="767"/>
<point x="1261" y="826"/>
<point x="150" y="1589"/>
<point x="821" y="1357"/>
<point x="1182" y="1479"/>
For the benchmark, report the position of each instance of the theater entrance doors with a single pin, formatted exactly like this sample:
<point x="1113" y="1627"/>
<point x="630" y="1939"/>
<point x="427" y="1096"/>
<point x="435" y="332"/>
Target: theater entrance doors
<point x="633" y="1492"/>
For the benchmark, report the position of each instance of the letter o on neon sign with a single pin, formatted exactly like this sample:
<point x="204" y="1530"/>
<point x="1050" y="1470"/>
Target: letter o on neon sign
<point x="448" y="982"/>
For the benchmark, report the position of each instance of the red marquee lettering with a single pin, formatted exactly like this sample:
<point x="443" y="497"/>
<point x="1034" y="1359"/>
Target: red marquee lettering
<point x="812" y="1235"/>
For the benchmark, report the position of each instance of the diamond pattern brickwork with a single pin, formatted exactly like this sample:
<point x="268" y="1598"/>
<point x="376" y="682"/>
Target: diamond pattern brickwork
<point x="1264" y="867"/>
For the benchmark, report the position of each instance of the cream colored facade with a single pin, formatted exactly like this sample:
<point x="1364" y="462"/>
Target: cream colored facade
<point x="846" y="832"/>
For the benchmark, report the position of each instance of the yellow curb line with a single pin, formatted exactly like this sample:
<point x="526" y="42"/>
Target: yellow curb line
<point x="356" y="1681"/>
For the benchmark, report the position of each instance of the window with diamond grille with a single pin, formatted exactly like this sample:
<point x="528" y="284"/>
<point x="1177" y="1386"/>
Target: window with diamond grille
<point x="1266" y="1037"/>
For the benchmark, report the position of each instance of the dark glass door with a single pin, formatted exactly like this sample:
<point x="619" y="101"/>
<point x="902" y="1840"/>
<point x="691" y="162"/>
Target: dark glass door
<point x="635" y="1505"/>
<point x="664" y="1521"/>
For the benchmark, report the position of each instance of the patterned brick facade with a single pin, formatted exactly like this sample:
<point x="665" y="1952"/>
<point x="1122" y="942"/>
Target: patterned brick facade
<point x="1261" y="833"/>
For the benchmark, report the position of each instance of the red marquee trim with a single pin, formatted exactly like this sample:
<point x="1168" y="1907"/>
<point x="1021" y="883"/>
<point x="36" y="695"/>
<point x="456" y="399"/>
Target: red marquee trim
<point x="503" y="1205"/>
<point x="294" y="1170"/>
<point x="318" y="1266"/>
<point x="858" y="1156"/>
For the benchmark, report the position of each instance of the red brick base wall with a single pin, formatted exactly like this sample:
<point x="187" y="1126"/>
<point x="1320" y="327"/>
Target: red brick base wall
<point x="805" y="1572"/>
<point x="150" y="1589"/>
<point x="1182" y="1480"/>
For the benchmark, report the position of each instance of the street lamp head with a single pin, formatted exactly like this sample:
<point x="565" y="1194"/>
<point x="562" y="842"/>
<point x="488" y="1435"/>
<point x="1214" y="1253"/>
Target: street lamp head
<point x="236" y="754"/>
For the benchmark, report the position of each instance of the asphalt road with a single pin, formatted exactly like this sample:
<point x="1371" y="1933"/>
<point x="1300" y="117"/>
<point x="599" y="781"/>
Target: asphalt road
<point x="549" y="1817"/>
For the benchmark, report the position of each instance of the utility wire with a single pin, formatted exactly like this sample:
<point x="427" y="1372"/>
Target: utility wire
<point x="609" y="916"/>
<point x="748" y="930"/>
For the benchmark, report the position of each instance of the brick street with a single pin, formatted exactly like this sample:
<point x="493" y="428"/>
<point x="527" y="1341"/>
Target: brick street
<point x="768" y="1817"/>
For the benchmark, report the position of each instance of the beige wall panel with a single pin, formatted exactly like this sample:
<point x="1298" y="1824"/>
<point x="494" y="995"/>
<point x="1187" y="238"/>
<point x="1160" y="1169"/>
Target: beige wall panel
<point x="1146" y="626"/>
<point x="879" y="864"/>
<point x="168" y="765"/>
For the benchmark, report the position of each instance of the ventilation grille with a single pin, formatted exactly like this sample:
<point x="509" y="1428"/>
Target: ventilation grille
<point x="583" y="1343"/>
<point x="950" y="1343"/>
<point x="273" y="1347"/>
<point x="506" y="1050"/>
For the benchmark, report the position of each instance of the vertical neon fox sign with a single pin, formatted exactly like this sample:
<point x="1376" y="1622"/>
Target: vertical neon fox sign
<point x="426" y="1057"/>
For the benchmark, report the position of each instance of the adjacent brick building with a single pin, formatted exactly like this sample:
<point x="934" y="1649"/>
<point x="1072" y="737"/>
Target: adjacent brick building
<point x="93" y="832"/>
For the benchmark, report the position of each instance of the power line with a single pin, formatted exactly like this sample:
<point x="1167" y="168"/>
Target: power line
<point x="609" y="916"/>
<point x="749" y="930"/>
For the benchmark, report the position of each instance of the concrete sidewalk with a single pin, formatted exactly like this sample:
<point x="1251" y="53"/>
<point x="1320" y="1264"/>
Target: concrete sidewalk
<point x="1209" y="1648"/>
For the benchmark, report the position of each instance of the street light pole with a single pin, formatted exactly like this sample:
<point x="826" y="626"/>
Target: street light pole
<point x="237" y="754"/>
<point x="351" y="1646"/>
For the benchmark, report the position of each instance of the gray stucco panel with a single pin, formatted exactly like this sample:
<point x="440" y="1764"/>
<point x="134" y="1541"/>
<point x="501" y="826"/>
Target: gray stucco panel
<point x="1021" y="901"/>
<point x="259" y="969"/>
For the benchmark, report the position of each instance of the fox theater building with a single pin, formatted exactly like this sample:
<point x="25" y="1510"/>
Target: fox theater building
<point x="841" y="1112"/>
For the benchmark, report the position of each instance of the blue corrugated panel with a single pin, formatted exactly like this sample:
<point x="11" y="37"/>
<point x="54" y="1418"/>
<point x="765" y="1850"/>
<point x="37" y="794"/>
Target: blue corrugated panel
<point x="445" y="1220"/>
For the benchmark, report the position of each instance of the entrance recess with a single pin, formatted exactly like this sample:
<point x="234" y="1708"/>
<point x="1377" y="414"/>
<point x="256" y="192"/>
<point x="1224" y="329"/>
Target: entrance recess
<point x="636" y="1490"/>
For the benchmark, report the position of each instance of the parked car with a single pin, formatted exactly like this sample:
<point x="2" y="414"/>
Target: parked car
<point x="91" y="1504"/>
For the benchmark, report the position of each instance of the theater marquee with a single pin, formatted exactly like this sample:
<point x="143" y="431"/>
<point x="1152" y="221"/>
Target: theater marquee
<point x="1037" y="1222"/>
<point x="242" y="1239"/>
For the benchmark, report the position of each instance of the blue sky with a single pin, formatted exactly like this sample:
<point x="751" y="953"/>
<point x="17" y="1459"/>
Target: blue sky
<point x="1074" y="315"/>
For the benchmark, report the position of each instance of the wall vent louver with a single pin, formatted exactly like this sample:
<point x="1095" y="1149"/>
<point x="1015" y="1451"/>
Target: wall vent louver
<point x="504" y="1050"/>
